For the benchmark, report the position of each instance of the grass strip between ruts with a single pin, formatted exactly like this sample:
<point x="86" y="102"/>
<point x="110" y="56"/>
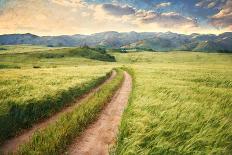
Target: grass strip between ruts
<point x="120" y="136"/>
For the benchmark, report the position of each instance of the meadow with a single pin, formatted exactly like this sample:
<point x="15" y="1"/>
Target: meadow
<point x="13" y="49"/>
<point x="180" y="104"/>
<point x="26" y="57"/>
<point x="27" y="95"/>
<point x="56" y="137"/>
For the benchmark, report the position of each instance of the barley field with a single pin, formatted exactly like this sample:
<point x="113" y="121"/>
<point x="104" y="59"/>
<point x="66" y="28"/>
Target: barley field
<point x="27" y="95"/>
<point x="181" y="104"/>
<point x="13" y="49"/>
<point x="57" y="136"/>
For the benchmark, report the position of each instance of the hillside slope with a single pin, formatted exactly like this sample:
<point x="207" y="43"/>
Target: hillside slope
<point x="146" y="40"/>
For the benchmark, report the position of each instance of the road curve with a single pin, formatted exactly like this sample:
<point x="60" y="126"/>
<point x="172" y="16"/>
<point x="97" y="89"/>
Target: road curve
<point x="101" y="135"/>
<point x="13" y="144"/>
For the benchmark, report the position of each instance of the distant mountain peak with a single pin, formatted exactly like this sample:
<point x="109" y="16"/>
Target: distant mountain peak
<point x="158" y="41"/>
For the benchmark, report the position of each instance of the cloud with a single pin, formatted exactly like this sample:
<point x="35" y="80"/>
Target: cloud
<point x="166" y="20"/>
<point x="209" y="4"/>
<point x="200" y="4"/>
<point x="41" y="17"/>
<point x="212" y="4"/>
<point x="70" y="3"/>
<point x="57" y="17"/>
<point x="117" y="10"/>
<point x="54" y="17"/>
<point x="170" y="20"/>
<point x="162" y="5"/>
<point x="144" y="18"/>
<point x="223" y="19"/>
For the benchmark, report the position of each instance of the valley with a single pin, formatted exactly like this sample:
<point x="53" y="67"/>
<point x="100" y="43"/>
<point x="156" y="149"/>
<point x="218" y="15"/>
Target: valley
<point x="180" y="101"/>
<point x="156" y="41"/>
<point x="115" y="77"/>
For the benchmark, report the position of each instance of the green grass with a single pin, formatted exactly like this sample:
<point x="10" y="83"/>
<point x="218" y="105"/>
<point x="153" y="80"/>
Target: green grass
<point x="3" y="66"/>
<point x="54" y="57"/>
<point x="13" y="49"/>
<point x="56" y="137"/>
<point x="165" y="58"/>
<point x="181" y="101"/>
<point x="27" y="95"/>
<point x="180" y="105"/>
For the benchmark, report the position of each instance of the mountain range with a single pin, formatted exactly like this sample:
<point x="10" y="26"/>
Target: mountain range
<point x="156" y="41"/>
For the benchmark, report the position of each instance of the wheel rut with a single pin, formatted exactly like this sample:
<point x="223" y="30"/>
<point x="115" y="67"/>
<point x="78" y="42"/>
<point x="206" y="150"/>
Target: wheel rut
<point x="13" y="144"/>
<point x="101" y="135"/>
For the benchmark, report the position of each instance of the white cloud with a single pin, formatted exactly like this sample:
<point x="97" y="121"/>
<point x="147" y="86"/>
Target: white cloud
<point x="75" y="16"/>
<point x="212" y="4"/>
<point x="200" y="4"/>
<point x="162" y="5"/>
<point x="70" y="3"/>
<point x="209" y="4"/>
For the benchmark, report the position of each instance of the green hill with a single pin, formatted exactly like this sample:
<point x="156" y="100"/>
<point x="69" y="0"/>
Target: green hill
<point x="54" y="58"/>
<point x="158" y="44"/>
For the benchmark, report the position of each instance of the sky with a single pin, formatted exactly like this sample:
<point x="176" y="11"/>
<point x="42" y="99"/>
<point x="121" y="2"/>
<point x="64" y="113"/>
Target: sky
<point x="59" y="17"/>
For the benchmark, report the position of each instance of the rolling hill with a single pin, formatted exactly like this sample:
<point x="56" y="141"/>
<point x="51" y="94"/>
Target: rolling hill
<point x="130" y="40"/>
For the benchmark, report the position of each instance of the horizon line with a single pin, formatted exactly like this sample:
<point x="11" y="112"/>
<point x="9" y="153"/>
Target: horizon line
<point x="112" y="31"/>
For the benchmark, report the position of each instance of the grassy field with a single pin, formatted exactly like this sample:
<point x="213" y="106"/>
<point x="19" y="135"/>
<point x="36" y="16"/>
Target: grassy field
<point x="181" y="104"/>
<point x="49" y="57"/>
<point x="13" y="49"/>
<point x="169" y="58"/>
<point x="56" y="137"/>
<point x="27" y="95"/>
<point x="20" y="86"/>
<point x="181" y="101"/>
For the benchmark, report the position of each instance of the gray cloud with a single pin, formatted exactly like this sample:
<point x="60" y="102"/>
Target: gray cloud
<point x="208" y="4"/>
<point x="223" y="19"/>
<point x="117" y="10"/>
<point x="166" y="20"/>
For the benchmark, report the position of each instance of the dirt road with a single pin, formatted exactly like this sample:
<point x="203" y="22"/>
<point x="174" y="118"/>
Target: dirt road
<point x="100" y="136"/>
<point x="13" y="144"/>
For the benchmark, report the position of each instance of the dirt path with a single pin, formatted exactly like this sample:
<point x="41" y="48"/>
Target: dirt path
<point x="15" y="142"/>
<point x="100" y="136"/>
